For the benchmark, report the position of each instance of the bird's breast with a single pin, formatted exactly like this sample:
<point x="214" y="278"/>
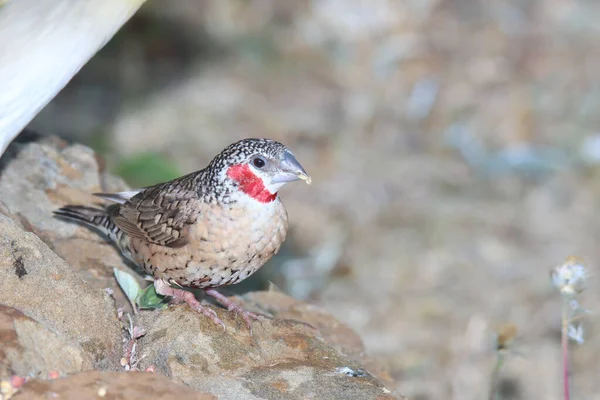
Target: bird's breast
<point x="228" y="243"/>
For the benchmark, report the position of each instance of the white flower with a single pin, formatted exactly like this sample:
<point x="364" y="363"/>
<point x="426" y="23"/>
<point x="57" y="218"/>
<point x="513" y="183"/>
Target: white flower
<point x="575" y="333"/>
<point x="570" y="277"/>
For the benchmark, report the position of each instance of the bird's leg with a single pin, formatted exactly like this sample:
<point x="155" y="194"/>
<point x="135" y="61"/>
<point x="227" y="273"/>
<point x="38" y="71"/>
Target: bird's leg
<point x="231" y="305"/>
<point x="163" y="288"/>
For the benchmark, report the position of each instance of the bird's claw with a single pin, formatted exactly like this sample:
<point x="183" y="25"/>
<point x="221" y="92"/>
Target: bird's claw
<point x="248" y="316"/>
<point x="180" y="295"/>
<point x="212" y="315"/>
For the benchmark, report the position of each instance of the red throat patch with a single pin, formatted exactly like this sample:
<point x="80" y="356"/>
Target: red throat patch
<point x="250" y="184"/>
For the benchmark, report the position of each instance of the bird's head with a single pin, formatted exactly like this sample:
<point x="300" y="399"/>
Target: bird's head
<point x="258" y="168"/>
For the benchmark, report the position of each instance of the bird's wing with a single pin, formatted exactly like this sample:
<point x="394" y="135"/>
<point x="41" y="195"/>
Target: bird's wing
<point x="158" y="214"/>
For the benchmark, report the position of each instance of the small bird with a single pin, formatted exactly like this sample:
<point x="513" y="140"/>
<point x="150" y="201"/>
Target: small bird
<point x="211" y="228"/>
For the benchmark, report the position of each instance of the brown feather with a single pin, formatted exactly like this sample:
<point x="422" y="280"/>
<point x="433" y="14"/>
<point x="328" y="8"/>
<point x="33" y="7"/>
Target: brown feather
<point x="158" y="214"/>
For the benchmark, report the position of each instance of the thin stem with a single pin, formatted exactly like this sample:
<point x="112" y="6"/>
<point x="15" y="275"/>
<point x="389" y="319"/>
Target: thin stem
<point x="496" y="375"/>
<point x="565" y="347"/>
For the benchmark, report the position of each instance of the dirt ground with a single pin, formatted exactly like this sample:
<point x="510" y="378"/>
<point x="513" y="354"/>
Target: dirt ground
<point x="454" y="148"/>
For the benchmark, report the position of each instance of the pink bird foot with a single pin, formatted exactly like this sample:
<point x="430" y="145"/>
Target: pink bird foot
<point x="163" y="288"/>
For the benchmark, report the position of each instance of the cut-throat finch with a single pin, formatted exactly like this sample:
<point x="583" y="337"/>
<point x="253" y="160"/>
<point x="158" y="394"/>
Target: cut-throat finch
<point x="211" y="228"/>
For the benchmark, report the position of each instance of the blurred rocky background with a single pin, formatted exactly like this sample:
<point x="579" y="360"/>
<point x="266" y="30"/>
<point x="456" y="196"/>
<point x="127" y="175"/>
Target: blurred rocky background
<point x="454" y="147"/>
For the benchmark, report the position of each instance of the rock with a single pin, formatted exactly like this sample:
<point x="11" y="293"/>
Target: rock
<point x="44" y="173"/>
<point x="42" y="286"/>
<point x="333" y="331"/>
<point x="283" y="359"/>
<point x="109" y="385"/>
<point x="30" y="349"/>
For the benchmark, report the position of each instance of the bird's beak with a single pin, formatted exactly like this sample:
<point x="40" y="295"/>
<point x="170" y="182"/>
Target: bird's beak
<point x="290" y="170"/>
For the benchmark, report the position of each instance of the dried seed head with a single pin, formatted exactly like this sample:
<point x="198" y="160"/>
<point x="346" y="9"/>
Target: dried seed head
<point x="504" y="335"/>
<point x="570" y="276"/>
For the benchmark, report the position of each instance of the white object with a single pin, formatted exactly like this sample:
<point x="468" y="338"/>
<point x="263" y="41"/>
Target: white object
<point x="43" y="43"/>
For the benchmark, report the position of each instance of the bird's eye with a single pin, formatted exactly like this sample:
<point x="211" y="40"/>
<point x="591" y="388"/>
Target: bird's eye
<point x="259" y="162"/>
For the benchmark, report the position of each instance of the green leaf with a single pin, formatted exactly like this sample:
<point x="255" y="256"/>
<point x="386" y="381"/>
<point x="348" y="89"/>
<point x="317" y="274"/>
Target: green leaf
<point x="148" y="298"/>
<point x="130" y="286"/>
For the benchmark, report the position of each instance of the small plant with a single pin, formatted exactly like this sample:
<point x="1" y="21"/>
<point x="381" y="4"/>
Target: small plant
<point x="146" y="298"/>
<point x="504" y="338"/>
<point x="131" y="359"/>
<point x="569" y="278"/>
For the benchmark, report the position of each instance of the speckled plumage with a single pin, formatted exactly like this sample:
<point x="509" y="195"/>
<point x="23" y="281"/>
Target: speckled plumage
<point x="230" y="244"/>
<point x="205" y="229"/>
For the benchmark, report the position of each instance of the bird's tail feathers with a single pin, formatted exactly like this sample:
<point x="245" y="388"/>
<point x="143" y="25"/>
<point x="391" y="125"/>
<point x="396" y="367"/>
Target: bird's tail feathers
<point x="95" y="217"/>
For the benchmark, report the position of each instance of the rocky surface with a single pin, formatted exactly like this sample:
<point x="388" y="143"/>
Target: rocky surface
<point x="44" y="287"/>
<point x="109" y="385"/>
<point x="282" y="359"/>
<point x="57" y="320"/>
<point x="333" y="331"/>
<point x="30" y="349"/>
<point x="43" y="173"/>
